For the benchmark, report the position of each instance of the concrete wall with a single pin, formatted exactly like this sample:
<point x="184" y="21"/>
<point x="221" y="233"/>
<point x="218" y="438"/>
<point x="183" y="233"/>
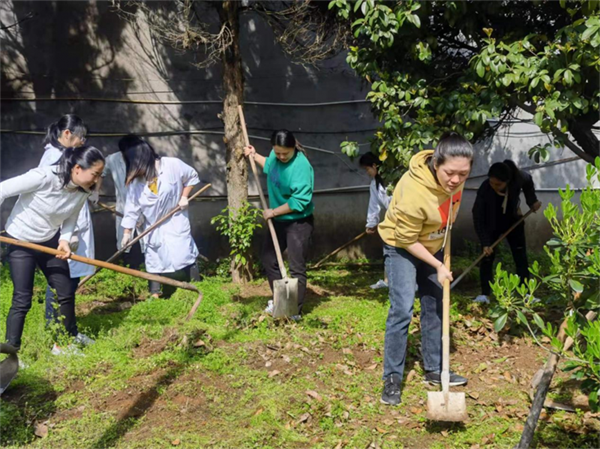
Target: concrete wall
<point x="84" y="50"/>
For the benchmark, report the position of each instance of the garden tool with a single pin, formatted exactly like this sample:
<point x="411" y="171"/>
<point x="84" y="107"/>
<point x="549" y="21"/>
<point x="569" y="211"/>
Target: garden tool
<point x="444" y="405"/>
<point x="285" y="291"/>
<point x="345" y="245"/>
<point x="8" y="367"/>
<point x="110" y="266"/>
<point x="502" y="237"/>
<point x="142" y="235"/>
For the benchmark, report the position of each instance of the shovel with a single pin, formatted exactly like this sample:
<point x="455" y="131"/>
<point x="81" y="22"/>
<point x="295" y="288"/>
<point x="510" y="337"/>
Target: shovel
<point x="443" y="405"/>
<point x="285" y="291"/>
<point x="8" y="367"/>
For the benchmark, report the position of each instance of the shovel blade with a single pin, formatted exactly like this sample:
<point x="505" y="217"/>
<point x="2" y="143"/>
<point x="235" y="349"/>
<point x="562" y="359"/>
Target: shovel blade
<point x="8" y="371"/>
<point x="453" y="410"/>
<point x="285" y="298"/>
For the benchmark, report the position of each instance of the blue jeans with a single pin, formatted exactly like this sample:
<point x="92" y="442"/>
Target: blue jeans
<point x="52" y="302"/>
<point x="405" y="272"/>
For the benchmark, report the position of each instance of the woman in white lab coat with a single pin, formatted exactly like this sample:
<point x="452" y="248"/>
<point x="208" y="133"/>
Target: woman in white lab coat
<point x="156" y="185"/>
<point x="379" y="199"/>
<point x="69" y="132"/>
<point x="115" y="166"/>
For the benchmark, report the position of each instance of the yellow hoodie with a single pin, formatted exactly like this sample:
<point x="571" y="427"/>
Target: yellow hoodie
<point x="419" y="208"/>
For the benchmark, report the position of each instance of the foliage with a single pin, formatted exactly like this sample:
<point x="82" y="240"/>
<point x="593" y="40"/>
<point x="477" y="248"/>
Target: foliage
<point x="467" y="66"/>
<point x="572" y="282"/>
<point x="239" y="227"/>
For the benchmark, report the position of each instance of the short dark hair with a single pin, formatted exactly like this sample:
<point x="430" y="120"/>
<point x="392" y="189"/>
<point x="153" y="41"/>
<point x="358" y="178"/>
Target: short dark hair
<point x="451" y="145"/>
<point x="84" y="156"/>
<point x="139" y="157"/>
<point x="69" y="121"/>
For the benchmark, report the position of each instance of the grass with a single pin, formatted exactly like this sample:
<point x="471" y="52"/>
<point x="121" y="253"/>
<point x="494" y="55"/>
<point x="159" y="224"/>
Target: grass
<point x="232" y="377"/>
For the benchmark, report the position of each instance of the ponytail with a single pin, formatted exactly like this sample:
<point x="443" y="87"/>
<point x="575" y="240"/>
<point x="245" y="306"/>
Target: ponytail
<point x="69" y="121"/>
<point x="451" y="145"/>
<point x="84" y="156"/>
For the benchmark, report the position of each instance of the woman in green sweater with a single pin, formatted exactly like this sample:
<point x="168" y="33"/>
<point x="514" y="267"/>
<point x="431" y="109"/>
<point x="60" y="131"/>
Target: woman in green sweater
<point x="290" y="183"/>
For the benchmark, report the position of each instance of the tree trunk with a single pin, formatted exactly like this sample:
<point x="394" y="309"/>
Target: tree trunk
<point x="233" y="86"/>
<point x="581" y="130"/>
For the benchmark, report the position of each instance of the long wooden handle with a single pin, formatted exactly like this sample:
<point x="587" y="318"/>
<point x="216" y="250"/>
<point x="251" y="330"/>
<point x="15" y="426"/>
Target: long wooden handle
<point x="445" y="375"/>
<point x="262" y="197"/>
<point x="496" y="243"/>
<point x="334" y="252"/>
<point x="102" y="264"/>
<point x="110" y="209"/>
<point x="143" y="234"/>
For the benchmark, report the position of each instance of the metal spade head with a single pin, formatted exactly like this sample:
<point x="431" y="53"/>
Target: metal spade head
<point x="285" y="298"/>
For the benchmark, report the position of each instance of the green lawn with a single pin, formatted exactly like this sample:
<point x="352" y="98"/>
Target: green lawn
<point x="231" y="377"/>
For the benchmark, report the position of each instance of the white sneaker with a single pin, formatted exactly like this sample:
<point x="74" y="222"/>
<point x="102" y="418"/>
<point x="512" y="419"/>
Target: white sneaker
<point x="482" y="298"/>
<point x="83" y="340"/>
<point x="68" y="351"/>
<point x="379" y="284"/>
<point x="270" y="307"/>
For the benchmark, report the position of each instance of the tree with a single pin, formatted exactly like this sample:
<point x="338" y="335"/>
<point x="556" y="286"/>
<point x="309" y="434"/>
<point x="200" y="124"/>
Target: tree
<point x="445" y="65"/>
<point x="307" y="31"/>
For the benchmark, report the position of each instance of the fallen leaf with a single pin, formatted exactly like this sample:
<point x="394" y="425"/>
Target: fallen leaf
<point x="473" y="394"/>
<point x="415" y="410"/>
<point x="388" y="422"/>
<point x="444" y="433"/>
<point x="258" y="412"/>
<point x="475" y="446"/>
<point x="314" y="395"/>
<point x="175" y="442"/>
<point x="40" y="429"/>
<point x="411" y="375"/>
<point x="372" y="367"/>
<point x="380" y="430"/>
<point x="305" y="417"/>
<point x="347" y="351"/>
<point x="507" y="376"/>
<point x="339" y="445"/>
<point x="482" y="367"/>
<point x="261" y="318"/>
<point x="274" y="373"/>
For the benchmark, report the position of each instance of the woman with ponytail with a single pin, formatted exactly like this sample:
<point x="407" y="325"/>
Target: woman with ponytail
<point x="70" y="132"/>
<point x="379" y="199"/>
<point x="50" y="199"/>
<point x="290" y="183"/>
<point x="155" y="186"/>
<point x="495" y="210"/>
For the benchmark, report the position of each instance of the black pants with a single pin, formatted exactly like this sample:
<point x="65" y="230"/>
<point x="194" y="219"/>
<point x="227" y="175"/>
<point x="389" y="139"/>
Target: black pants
<point x="22" y="262"/>
<point x="516" y="241"/>
<point x="184" y="275"/>
<point x="295" y="236"/>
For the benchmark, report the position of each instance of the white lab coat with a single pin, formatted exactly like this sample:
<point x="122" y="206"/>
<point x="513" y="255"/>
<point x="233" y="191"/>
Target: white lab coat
<point x="115" y="166"/>
<point x="170" y="247"/>
<point x="378" y="200"/>
<point x="84" y="229"/>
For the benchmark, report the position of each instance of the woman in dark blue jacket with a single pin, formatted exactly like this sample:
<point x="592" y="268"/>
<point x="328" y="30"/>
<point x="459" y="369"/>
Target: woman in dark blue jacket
<point x="495" y="210"/>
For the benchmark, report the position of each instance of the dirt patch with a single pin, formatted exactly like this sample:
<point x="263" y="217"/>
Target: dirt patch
<point x="148" y="347"/>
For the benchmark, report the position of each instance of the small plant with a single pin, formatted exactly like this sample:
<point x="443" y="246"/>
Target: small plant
<point x="239" y="226"/>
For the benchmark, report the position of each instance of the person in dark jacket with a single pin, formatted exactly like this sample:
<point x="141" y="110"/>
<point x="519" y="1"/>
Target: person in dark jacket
<point x="495" y="210"/>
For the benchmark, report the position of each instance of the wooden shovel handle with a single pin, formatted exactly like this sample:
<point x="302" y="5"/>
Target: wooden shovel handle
<point x="143" y="234"/>
<point x="102" y="264"/>
<point x="334" y="252"/>
<point x="262" y="196"/>
<point x="446" y="322"/>
<point x="496" y="243"/>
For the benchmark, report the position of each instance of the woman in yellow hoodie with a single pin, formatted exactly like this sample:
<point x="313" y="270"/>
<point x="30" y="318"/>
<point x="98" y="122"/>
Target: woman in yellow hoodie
<point x="424" y="205"/>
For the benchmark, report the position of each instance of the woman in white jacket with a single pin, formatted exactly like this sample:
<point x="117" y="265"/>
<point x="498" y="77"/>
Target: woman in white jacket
<point x="379" y="199"/>
<point x="70" y="132"/>
<point x="156" y="185"/>
<point x="46" y="213"/>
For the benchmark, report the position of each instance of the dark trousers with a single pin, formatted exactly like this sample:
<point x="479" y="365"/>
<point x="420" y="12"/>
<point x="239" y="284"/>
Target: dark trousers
<point x="22" y="262"/>
<point x="295" y="236"/>
<point x="183" y="275"/>
<point x="516" y="241"/>
<point x="52" y="305"/>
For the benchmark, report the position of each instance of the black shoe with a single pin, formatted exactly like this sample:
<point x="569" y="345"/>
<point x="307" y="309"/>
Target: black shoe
<point x="391" y="390"/>
<point x="434" y="377"/>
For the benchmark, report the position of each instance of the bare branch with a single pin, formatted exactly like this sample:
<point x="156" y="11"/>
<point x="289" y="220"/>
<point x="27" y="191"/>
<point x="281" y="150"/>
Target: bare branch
<point x="303" y="30"/>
